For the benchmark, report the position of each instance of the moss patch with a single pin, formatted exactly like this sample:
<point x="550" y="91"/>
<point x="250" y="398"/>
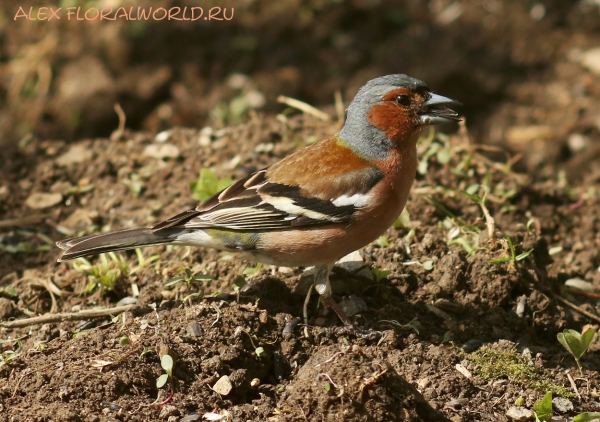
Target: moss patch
<point x="492" y="363"/>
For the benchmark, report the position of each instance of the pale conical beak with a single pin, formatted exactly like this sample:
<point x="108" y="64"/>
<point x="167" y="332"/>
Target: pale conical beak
<point x="436" y="110"/>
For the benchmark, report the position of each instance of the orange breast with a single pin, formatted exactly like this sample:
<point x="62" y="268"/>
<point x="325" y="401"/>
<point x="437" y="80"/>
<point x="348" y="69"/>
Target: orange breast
<point x="325" y="244"/>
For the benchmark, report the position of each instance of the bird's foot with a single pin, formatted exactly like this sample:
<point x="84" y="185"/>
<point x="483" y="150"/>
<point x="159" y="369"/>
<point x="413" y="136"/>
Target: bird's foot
<point x="351" y="330"/>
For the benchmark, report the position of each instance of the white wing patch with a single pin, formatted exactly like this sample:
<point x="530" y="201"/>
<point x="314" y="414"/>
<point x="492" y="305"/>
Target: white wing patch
<point x="287" y="205"/>
<point x="358" y="200"/>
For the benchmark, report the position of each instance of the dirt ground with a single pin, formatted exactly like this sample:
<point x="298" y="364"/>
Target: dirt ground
<point x="463" y="336"/>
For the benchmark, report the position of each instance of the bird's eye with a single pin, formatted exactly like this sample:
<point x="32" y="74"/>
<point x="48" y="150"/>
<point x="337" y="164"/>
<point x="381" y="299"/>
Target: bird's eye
<point x="403" y="100"/>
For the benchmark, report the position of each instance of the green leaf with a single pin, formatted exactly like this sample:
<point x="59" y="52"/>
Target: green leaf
<point x="587" y="337"/>
<point x="173" y="281"/>
<point x="162" y="380"/>
<point x="382" y="242"/>
<point x="224" y="183"/>
<point x="500" y="260"/>
<point x="124" y="341"/>
<point x="571" y="340"/>
<point x="524" y="255"/>
<point x="543" y="408"/>
<point x="260" y="351"/>
<point x="167" y="363"/>
<point x="327" y="387"/>
<point x="203" y="277"/>
<point x="81" y="333"/>
<point x="443" y="156"/>
<point x="239" y="282"/>
<point x="402" y="220"/>
<point x="428" y="265"/>
<point x="465" y="243"/>
<point x="586" y="416"/>
<point x="472" y="189"/>
<point x="379" y="274"/>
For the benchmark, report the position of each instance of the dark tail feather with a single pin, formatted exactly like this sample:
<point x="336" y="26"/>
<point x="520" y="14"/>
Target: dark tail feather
<point x="114" y="241"/>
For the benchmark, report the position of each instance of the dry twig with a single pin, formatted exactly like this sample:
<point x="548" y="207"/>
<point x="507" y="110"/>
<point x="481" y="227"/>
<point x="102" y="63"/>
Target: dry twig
<point x="303" y="107"/>
<point x="66" y="316"/>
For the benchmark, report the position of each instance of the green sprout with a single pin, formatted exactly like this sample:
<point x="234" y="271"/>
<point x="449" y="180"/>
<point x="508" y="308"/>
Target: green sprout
<point x="513" y="258"/>
<point x="208" y="184"/>
<point x="102" y="274"/>
<point x="382" y="242"/>
<point x="379" y="274"/>
<point x="135" y="183"/>
<point x="586" y="416"/>
<point x="252" y="270"/>
<point x="190" y="279"/>
<point x="577" y="344"/>
<point x="238" y="283"/>
<point x="403" y="220"/>
<point x="543" y="408"/>
<point x="166" y="362"/>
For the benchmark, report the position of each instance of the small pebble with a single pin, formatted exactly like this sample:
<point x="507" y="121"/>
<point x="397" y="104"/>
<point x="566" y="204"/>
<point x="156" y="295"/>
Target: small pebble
<point x="167" y="411"/>
<point x="40" y="200"/>
<point x="223" y="386"/>
<point x="161" y="151"/>
<point x="471" y="345"/>
<point x="191" y="417"/>
<point x="520" y="414"/>
<point x="255" y="383"/>
<point x="562" y="405"/>
<point x="289" y="328"/>
<point x="457" y="403"/>
<point x="194" y="330"/>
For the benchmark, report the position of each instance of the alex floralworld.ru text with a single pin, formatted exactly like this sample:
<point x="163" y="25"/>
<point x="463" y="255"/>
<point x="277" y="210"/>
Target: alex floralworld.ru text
<point x="131" y="13"/>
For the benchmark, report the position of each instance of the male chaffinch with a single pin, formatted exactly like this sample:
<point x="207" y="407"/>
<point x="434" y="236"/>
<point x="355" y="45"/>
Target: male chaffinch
<point x="319" y="203"/>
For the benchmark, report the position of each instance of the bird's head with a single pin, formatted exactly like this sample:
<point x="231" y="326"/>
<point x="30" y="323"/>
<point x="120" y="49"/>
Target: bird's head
<point x="390" y="111"/>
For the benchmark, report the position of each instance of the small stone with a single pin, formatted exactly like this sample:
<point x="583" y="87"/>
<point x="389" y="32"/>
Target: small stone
<point x="204" y="138"/>
<point x="77" y="154"/>
<point x="223" y="386"/>
<point x="354" y="263"/>
<point x="255" y="383"/>
<point x="562" y="405"/>
<point x="288" y="330"/>
<point x="167" y="411"/>
<point x="471" y="345"/>
<point x="264" y="147"/>
<point x="161" y="151"/>
<point x="591" y="60"/>
<point x="194" y="330"/>
<point x="191" y="417"/>
<point x="579" y="284"/>
<point x="40" y="200"/>
<point x="163" y="136"/>
<point x="520" y="414"/>
<point x="353" y="305"/>
<point x="286" y="270"/>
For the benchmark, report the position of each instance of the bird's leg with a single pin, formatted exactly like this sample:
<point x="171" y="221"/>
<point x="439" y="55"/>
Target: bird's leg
<point x="323" y="287"/>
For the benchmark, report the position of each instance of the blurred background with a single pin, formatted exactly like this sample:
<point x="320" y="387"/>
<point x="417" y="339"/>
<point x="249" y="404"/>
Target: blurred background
<point x="526" y="71"/>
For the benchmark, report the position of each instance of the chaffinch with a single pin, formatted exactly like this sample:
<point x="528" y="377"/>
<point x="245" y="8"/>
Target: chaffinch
<point x="319" y="203"/>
